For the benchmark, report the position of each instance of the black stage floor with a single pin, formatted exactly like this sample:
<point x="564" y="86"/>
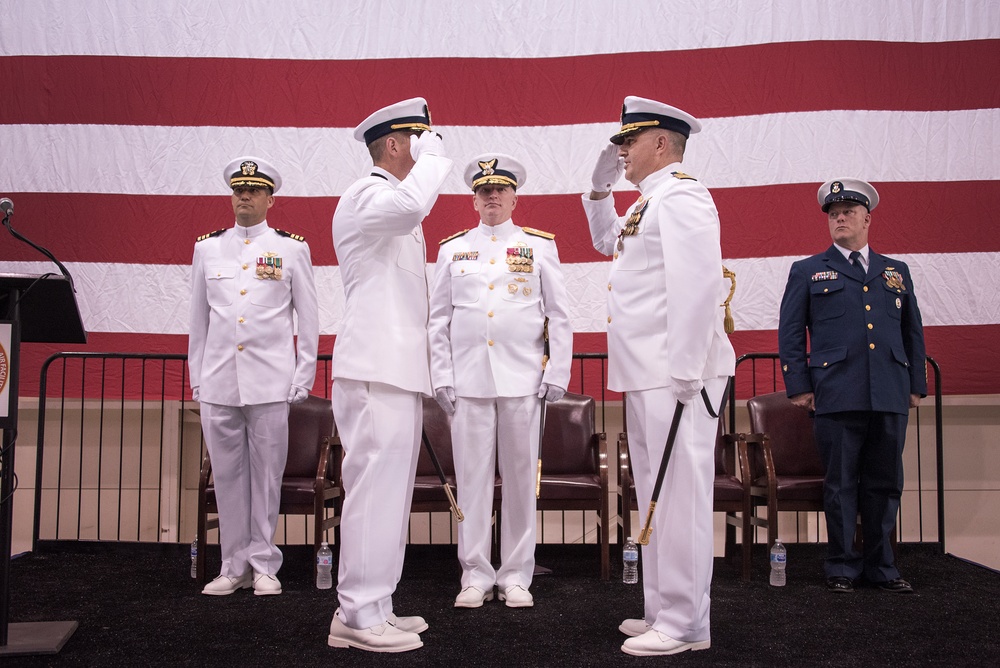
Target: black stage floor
<point x="137" y="605"/>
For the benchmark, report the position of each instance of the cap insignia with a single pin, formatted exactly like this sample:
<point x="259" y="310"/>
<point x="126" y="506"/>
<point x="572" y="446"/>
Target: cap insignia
<point x="836" y="187"/>
<point x="248" y="168"/>
<point x="488" y="166"/>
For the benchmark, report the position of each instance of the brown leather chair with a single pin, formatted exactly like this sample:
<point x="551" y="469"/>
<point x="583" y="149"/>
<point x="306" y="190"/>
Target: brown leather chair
<point x="731" y="493"/>
<point x="311" y="481"/>
<point x="785" y="463"/>
<point x="575" y="465"/>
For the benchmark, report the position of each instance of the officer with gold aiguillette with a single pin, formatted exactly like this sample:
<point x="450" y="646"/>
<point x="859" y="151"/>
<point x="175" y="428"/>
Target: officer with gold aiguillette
<point x="495" y="287"/>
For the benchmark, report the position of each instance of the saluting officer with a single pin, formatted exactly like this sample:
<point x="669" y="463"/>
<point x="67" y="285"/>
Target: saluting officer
<point x="381" y="368"/>
<point x="864" y="372"/>
<point x="495" y="288"/>
<point x="245" y="368"/>
<point x="666" y="343"/>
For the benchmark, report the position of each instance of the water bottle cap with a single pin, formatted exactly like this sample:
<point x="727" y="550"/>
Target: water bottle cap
<point x="324" y="544"/>
<point x="630" y="539"/>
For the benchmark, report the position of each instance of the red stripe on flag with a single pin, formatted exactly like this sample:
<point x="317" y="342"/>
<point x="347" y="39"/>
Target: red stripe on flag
<point x="765" y="221"/>
<point x="733" y="81"/>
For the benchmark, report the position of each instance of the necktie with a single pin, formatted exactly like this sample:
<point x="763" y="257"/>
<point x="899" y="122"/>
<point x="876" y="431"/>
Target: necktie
<point x="859" y="269"/>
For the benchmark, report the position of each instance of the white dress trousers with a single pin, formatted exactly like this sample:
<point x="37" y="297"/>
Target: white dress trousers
<point x="677" y="563"/>
<point x="248" y="446"/>
<point x="380" y="427"/>
<point x="504" y="428"/>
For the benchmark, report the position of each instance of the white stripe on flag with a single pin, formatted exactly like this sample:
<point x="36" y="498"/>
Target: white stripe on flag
<point x="319" y="29"/>
<point x="731" y="152"/>
<point x="154" y="298"/>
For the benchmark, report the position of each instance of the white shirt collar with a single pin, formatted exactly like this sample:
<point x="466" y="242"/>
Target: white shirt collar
<point x="252" y="231"/>
<point x="847" y="254"/>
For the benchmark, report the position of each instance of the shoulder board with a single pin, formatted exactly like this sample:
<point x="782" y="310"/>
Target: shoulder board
<point x="454" y="236"/>
<point x="538" y="233"/>
<point x="290" y="235"/>
<point x="682" y="175"/>
<point x="210" y="235"/>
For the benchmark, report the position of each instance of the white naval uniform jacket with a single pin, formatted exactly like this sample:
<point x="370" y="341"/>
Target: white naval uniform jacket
<point x="666" y="286"/>
<point x="383" y="263"/>
<point x="486" y="318"/>
<point x="241" y="349"/>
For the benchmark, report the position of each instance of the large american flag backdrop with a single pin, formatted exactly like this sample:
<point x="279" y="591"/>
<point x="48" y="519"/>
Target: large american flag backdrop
<point x="117" y="117"/>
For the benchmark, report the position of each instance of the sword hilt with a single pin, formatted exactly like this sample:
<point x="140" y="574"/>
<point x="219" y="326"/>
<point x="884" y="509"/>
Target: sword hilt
<point x="456" y="511"/>
<point x="647" y="529"/>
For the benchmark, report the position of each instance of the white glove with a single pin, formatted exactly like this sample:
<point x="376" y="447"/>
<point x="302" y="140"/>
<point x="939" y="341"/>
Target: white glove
<point x="195" y="394"/>
<point x="297" y="394"/>
<point x="445" y="397"/>
<point x="686" y="390"/>
<point x="608" y="170"/>
<point x="426" y="143"/>
<point x="550" y="392"/>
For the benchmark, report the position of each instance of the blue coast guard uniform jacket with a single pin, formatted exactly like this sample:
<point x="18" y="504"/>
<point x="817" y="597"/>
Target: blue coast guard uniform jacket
<point x="866" y="338"/>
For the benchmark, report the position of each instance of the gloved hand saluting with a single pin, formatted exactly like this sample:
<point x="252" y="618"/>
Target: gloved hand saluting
<point x="426" y="143"/>
<point x="297" y="394"/>
<point x="608" y="170"/>
<point x="550" y="392"/>
<point x="445" y="397"/>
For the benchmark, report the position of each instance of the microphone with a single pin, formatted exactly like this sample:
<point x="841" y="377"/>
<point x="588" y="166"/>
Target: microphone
<point x="7" y="206"/>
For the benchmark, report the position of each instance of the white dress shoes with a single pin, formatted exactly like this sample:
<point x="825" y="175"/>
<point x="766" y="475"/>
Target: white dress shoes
<point x="634" y="627"/>
<point x="225" y="585"/>
<point x="517" y="596"/>
<point x="409" y="624"/>
<point x="265" y="585"/>
<point x="654" y="643"/>
<point x="382" y="638"/>
<point x="473" y="597"/>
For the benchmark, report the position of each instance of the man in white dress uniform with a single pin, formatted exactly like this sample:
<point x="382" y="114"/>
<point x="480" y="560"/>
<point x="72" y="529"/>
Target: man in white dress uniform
<point x="247" y="281"/>
<point x="666" y="344"/>
<point x="495" y="288"/>
<point x="381" y="368"/>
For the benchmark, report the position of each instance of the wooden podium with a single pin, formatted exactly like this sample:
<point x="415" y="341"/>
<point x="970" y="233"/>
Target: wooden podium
<point x="33" y="309"/>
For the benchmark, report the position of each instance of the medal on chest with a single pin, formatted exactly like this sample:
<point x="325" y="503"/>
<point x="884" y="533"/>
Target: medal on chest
<point x="520" y="259"/>
<point x="893" y="279"/>
<point x="631" y="227"/>
<point x="269" y="267"/>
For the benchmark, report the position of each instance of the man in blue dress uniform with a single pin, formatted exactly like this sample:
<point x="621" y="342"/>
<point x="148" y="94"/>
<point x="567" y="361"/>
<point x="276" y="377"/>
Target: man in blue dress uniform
<point x="864" y="372"/>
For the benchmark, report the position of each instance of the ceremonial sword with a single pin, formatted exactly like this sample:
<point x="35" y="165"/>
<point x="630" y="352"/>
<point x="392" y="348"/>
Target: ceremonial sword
<point x="456" y="511"/>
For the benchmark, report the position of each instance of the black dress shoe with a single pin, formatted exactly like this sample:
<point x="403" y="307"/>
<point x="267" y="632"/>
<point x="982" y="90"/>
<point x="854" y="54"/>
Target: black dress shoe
<point x="897" y="586"/>
<point x="838" y="584"/>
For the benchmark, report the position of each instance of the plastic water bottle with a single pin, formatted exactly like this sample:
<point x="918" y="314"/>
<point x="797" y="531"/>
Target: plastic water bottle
<point x="778" y="559"/>
<point x="630" y="561"/>
<point x="324" y="567"/>
<point x="194" y="557"/>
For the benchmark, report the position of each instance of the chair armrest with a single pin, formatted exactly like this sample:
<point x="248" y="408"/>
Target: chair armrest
<point x="206" y="473"/>
<point x="739" y="442"/>
<point x="624" y="469"/>
<point x="763" y="443"/>
<point x="602" y="457"/>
